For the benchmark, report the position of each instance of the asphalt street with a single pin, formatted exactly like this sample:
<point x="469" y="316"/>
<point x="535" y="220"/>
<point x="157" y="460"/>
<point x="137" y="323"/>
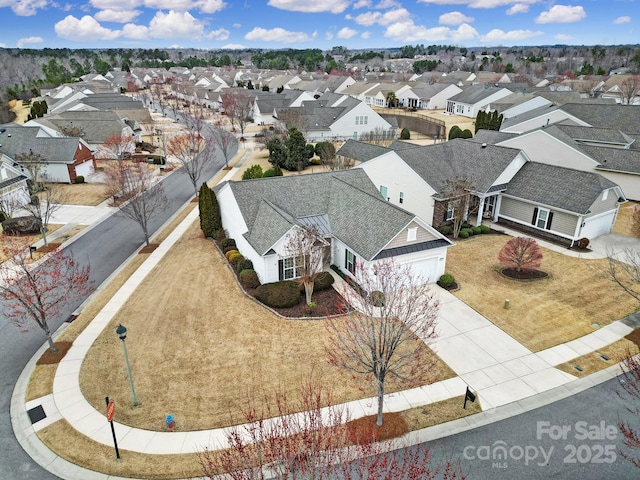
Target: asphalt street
<point x="572" y="439"/>
<point x="105" y="247"/>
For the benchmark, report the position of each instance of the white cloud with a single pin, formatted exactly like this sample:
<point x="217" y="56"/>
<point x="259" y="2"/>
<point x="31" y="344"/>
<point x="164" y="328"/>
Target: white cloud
<point x="233" y="46"/>
<point x="496" y="35"/>
<point x="384" y="4"/>
<point x="563" y="37"/>
<point x="84" y="29"/>
<point x="477" y="3"/>
<point x="328" y="35"/>
<point x="387" y="18"/>
<point x="621" y="20"/>
<point x="135" y="32"/>
<point x="276" y="35"/>
<point x="211" y="6"/>
<point x="220" y="34"/>
<point x="518" y="8"/>
<point x="333" y="6"/>
<point x="175" y="25"/>
<point x="366" y="35"/>
<point x="454" y="18"/>
<point x="361" y="4"/>
<point x="117" y="16"/>
<point x="562" y="14"/>
<point x="409" y="32"/>
<point x="237" y="25"/>
<point x="115" y="4"/>
<point x="28" y="40"/>
<point x="27" y="8"/>
<point x="3" y="45"/>
<point x="346" y="33"/>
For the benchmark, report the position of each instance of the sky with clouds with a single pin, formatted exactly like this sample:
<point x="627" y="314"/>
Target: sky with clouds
<point x="315" y="23"/>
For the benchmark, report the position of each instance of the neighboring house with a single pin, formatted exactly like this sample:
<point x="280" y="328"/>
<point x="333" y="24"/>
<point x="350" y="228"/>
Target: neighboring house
<point x="359" y="226"/>
<point x="65" y="157"/>
<point x="14" y="191"/>
<point x="415" y="177"/>
<point x="475" y="98"/>
<point x="265" y="104"/>
<point x="434" y="96"/>
<point x="334" y="117"/>
<point x="507" y="187"/>
<point x="561" y="204"/>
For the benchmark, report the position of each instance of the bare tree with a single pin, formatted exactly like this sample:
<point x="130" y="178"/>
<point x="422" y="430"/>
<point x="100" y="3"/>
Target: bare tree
<point x="385" y="334"/>
<point x="629" y="89"/>
<point x="12" y="201"/>
<point x="226" y="142"/>
<point x="378" y="136"/>
<point x="305" y="246"/>
<point x="192" y="150"/>
<point x="457" y="193"/>
<point x="36" y="165"/>
<point x="43" y="205"/>
<point x="119" y="146"/>
<point x="135" y="193"/>
<point x="292" y="118"/>
<point x="624" y="270"/>
<point x="39" y="292"/>
<point x="238" y="105"/>
<point x="316" y="443"/>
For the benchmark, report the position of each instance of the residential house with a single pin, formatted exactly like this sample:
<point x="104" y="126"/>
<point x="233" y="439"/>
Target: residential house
<point x="333" y="117"/>
<point x="14" y="191"/>
<point x="475" y="98"/>
<point x="358" y="225"/>
<point x="65" y="157"/>
<point x="434" y="96"/>
<point x="507" y="187"/>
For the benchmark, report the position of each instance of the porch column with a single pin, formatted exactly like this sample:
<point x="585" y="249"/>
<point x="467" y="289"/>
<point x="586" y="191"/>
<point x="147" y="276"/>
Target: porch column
<point x="480" y="212"/>
<point x="496" y="208"/>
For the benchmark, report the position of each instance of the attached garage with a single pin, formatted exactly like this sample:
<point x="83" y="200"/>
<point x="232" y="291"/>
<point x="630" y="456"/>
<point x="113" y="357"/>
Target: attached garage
<point x="85" y="169"/>
<point x="593" y="227"/>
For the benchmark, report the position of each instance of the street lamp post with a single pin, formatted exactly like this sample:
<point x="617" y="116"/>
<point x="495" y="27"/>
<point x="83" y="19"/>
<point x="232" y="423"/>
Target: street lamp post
<point x="122" y="334"/>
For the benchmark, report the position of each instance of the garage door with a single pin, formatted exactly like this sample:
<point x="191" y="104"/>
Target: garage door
<point x="596" y="226"/>
<point x="427" y="269"/>
<point x="85" y="169"/>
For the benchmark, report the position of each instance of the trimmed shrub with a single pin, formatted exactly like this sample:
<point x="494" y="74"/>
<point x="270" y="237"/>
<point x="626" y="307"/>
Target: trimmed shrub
<point x="485" y="229"/>
<point x="235" y="257"/>
<point x="227" y="242"/>
<point x="254" y="171"/>
<point x="476" y="230"/>
<point x="405" y="134"/>
<point x="79" y="179"/>
<point x="269" y="172"/>
<point x="220" y="235"/>
<point x="228" y="249"/>
<point x="249" y="278"/>
<point x="315" y="161"/>
<point x="377" y="298"/>
<point x="446" y="281"/>
<point x="583" y="242"/>
<point x="463" y="234"/>
<point x="228" y="253"/>
<point x="244" y="264"/>
<point x="309" y="150"/>
<point x="324" y="280"/>
<point x="468" y="231"/>
<point x="446" y="230"/>
<point x="279" y="294"/>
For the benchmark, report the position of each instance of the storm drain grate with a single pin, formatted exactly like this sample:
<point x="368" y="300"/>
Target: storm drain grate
<point x="36" y="414"/>
<point x="580" y="369"/>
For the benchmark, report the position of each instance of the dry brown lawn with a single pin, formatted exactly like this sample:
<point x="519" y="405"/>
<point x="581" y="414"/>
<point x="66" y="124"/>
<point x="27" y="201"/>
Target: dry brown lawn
<point x="21" y="111"/>
<point x="593" y="362"/>
<point x="543" y="313"/>
<point x="199" y="348"/>
<point x="90" y="194"/>
<point x="261" y="157"/>
<point x="624" y="222"/>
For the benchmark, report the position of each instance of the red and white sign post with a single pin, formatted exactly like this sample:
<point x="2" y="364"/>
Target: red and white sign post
<point x="111" y="410"/>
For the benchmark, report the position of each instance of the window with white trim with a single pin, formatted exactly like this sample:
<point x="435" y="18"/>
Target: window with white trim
<point x="290" y="267"/>
<point x="543" y="217"/>
<point x="412" y="234"/>
<point x="383" y="192"/>
<point x="350" y="261"/>
<point x="362" y="119"/>
<point x="450" y="211"/>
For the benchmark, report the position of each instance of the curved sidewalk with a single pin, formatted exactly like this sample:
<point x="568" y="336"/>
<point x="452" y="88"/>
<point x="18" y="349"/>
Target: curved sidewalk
<point x="508" y="378"/>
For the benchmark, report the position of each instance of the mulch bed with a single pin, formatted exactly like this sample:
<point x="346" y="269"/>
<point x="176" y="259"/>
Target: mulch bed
<point x="49" y="358"/>
<point x="364" y="430"/>
<point x="524" y="274"/>
<point x="634" y="337"/>
<point x="149" y="249"/>
<point x="48" y="248"/>
<point x="328" y="302"/>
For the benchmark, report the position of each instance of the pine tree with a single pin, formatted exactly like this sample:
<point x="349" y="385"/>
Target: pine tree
<point x="205" y="206"/>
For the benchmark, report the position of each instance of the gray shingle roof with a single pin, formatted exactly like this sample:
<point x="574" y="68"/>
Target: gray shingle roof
<point x="492" y="137"/>
<point x="617" y="159"/>
<point x="625" y="118"/>
<point x="595" y="134"/>
<point x="17" y="140"/>
<point x="346" y="199"/>
<point x="459" y="158"/>
<point x="474" y="94"/>
<point x="563" y="188"/>
<point x="361" y="151"/>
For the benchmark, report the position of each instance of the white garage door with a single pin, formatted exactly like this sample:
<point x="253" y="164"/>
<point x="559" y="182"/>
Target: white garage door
<point x="596" y="226"/>
<point x="85" y="169"/>
<point x="427" y="269"/>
